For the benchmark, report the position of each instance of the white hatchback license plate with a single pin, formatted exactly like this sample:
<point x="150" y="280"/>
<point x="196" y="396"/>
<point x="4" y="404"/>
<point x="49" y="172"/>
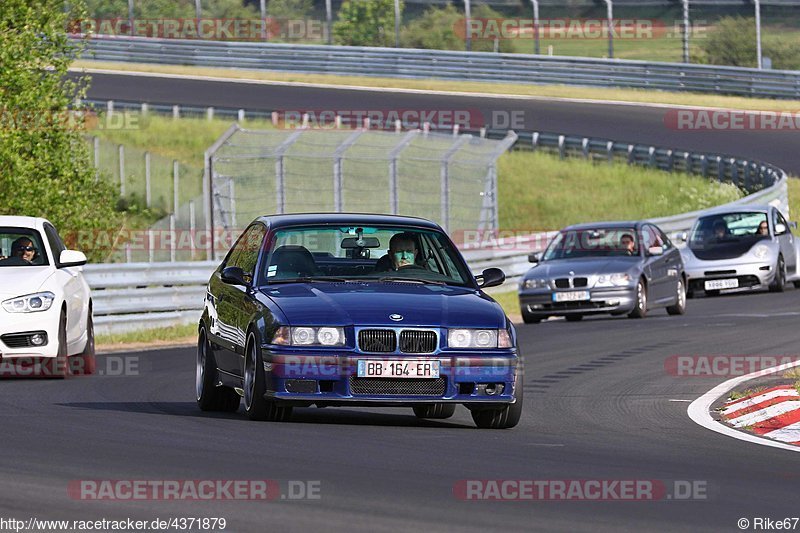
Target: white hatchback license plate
<point x="717" y="284"/>
<point x="572" y="296"/>
<point x="398" y="368"/>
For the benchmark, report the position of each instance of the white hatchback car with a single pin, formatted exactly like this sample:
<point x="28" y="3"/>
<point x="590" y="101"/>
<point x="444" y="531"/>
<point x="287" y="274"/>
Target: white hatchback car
<point x="46" y="324"/>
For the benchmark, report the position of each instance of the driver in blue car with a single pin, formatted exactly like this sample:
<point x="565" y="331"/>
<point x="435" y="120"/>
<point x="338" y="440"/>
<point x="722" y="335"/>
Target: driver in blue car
<point x="403" y="251"/>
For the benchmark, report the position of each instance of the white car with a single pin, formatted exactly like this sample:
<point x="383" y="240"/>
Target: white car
<point x="46" y="324"/>
<point x="741" y="247"/>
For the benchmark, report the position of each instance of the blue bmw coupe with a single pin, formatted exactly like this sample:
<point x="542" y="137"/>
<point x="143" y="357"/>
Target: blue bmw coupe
<point x="355" y="310"/>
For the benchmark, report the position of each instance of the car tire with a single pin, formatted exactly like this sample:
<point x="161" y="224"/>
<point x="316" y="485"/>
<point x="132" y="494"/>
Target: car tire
<point x="574" y="318"/>
<point x="59" y="366"/>
<point x="505" y="417"/>
<point x="436" y="410"/>
<point x="255" y="385"/>
<point x="680" y="303"/>
<point x="796" y="284"/>
<point x="209" y="396"/>
<point x="779" y="283"/>
<point x="640" y="308"/>
<point x="689" y="294"/>
<point x="85" y="363"/>
<point x="528" y="318"/>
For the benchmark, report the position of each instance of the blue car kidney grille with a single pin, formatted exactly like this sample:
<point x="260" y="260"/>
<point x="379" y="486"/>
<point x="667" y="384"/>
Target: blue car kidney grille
<point x="377" y="340"/>
<point x="397" y="387"/>
<point x="416" y="341"/>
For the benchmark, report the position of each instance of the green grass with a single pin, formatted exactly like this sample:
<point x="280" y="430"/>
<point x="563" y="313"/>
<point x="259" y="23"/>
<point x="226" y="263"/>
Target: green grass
<point x="509" y="301"/>
<point x="540" y="192"/>
<point x="169" y="334"/>
<point x="794" y="197"/>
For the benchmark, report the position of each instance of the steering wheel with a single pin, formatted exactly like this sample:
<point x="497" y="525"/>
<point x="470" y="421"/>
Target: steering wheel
<point x="412" y="266"/>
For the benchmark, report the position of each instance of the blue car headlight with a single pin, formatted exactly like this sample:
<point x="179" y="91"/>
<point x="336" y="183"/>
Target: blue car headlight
<point x="30" y="303"/>
<point x="613" y="280"/>
<point x="309" y="336"/>
<point x="478" y="338"/>
<point x="535" y="283"/>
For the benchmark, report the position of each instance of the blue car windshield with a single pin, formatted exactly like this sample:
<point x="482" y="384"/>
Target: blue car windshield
<point x="599" y="242"/>
<point x="325" y="253"/>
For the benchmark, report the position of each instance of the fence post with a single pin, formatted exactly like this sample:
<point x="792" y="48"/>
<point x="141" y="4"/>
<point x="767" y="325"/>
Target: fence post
<point x="110" y="109"/>
<point x="232" y="201"/>
<point x="150" y="246"/>
<point x="96" y="146"/>
<point x="121" y="152"/>
<point x="192" y="228"/>
<point x="148" y="193"/>
<point x="172" y="243"/>
<point x="175" y="178"/>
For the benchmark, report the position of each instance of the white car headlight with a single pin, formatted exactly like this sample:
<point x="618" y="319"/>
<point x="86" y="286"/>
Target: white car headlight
<point x="613" y="280"/>
<point x="30" y="303"/>
<point x="535" y="283"/>
<point x="760" y="251"/>
<point x="309" y="336"/>
<point x="478" y="338"/>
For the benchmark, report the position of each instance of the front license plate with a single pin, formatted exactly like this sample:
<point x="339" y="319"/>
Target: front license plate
<point x="398" y="368"/>
<point x="717" y="284"/>
<point x="572" y="296"/>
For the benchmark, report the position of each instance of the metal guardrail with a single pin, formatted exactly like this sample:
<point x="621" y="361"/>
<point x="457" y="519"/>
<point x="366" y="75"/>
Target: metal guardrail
<point x="452" y="65"/>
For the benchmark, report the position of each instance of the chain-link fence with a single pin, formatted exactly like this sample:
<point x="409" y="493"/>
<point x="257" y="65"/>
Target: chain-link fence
<point x="447" y="178"/>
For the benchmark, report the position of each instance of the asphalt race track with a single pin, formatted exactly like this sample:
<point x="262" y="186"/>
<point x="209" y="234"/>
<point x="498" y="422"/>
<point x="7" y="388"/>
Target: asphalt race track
<point x="600" y="404"/>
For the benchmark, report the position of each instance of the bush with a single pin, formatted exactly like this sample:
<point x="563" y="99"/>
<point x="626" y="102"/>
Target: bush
<point x="733" y="42"/>
<point x="436" y="30"/>
<point x="366" y="23"/>
<point x="45" y="168"/>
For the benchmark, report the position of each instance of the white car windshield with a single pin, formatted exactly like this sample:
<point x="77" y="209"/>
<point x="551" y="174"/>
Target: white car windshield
<point x="729" y="228"/>
<point x="21" y="247"/>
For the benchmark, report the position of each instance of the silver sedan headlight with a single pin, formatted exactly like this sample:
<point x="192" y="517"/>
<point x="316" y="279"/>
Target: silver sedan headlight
<point x="30" y="303"/>
<point x="613" y="280"/>
<point x="535" y="283"/>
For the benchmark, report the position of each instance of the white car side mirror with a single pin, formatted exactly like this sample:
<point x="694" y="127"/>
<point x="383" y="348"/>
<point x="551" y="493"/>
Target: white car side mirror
<point x="71" y="258"/>
<point x="680" y="236"/>
<point x="655" y="250"/>
<point x="780" y="229"/>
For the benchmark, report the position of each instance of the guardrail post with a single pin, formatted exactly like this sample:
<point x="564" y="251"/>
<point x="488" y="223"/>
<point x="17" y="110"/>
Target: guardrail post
<point x="398" y="126"/>
<point x="274" y="118"/>
<point x="148" y="195"/>
<point x="747" y="175"/>
<point x="240" y="115"/>
<point x="145" y="109"/>
<point x="670" y="160"/>
<point x="734" y="172"/>
<point x="585" y="147"/>
<point x="482" y="133"/>
<point x="610" y="152"/>
<point x="630" y="154"/>
<point x="121" y="158"/>
<point x="209" y="114"/>
<point x="687" y="163"/>
<point x="176" y="112"/>
<point x="651" y="160"/>
<point x="720" y="170"/>
<point x="561" y="148"/>
<point x="704" y="166"/>
<point x="175" y="180"/>
<point x="535" y="140"/>
<point x="338" y="122"/>
<point x="110" y="109"/>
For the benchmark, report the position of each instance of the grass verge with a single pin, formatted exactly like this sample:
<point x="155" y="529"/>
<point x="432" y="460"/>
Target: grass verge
<point x="186" y="334"/>
<point x="554" y="91"/>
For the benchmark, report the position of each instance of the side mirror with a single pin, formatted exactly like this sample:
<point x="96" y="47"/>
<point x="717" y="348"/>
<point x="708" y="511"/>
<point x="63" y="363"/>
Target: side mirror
<point x="71" y="258"/>
<point x="780" y="229"/>
<point x="655" y="250"/>
<point x="681" y="236"/>
<point x="534" y="257"/>
<point x="793" y="224"/>
<point x="491" y="277"/>
<point x="233" y="275"/>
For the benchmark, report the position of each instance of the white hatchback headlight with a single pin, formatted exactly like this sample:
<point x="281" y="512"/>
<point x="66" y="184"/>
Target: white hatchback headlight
<point x="613" y="280"/>
<point x="760" y="251"/>
<point x="30" y="303"/>
<point x="478" y="338"/>
<point x="309" y="336"/>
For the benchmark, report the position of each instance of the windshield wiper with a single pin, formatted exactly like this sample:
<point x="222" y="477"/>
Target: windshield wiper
<point x="308" y="279"/>
<point x="411" y="280"/>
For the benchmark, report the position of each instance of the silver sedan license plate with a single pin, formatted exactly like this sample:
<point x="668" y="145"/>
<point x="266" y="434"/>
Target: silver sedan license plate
<point x="398" y="368"/>
<point x="572" y="296"/>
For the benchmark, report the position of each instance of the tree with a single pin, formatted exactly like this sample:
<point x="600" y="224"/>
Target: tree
<point x="437" y="29"/>
<point x="366" y="23"/>
<point x="733" y="42"/>
<point x="45" y="168"/>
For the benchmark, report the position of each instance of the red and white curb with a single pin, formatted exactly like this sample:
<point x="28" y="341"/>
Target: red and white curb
<point x="773" y="415"/>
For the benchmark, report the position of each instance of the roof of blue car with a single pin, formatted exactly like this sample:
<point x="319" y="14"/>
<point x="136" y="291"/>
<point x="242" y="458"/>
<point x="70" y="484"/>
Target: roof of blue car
<point x="348" y="219"/>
